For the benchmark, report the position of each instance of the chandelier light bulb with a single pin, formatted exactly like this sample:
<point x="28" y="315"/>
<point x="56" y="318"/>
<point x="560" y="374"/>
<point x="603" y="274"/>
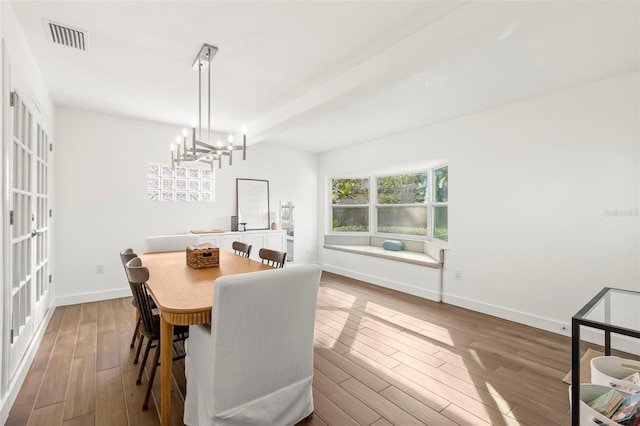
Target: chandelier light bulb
<point x="173" y="147"/>
<point x="193" y="122"/>
<point x="185" y="132"/>
<point x="178" y="140"/>
<point x="230" y="139"/>
<point x="244" y="130"/>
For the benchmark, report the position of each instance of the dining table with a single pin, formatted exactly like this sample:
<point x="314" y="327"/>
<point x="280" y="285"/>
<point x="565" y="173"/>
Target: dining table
<point x="184" y="296"/>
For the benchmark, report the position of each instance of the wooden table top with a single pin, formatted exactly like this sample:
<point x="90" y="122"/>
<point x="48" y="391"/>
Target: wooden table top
<point x="178" y="288"/>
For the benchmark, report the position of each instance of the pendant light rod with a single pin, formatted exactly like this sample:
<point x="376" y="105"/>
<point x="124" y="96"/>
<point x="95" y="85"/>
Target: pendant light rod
<point x="200" y="151"/>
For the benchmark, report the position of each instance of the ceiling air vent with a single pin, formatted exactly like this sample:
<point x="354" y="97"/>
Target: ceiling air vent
<point x="66" y="35"/>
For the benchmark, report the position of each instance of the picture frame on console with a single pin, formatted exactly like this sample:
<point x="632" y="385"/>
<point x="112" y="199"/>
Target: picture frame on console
<point x="252" y="203"/>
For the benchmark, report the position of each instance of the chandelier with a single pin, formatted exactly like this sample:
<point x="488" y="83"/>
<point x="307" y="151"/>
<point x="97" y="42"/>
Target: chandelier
<point x="197" y="150"/>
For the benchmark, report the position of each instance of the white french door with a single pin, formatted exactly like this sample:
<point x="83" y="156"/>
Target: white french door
<point x="27" y="247"/>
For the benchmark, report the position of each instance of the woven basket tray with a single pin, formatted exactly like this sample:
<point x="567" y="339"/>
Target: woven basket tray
<point x="203" y="256"/>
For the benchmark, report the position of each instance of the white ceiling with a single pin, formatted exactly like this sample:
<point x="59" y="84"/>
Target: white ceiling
<point x="318" y="75"/>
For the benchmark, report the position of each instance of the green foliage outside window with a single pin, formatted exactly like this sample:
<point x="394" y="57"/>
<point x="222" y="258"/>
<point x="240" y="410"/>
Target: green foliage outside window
<point x="350" y="191"/>
<point x="347" y="197"/>
<point x="401" y="204"/>
<point x="403" y="189"/>
<point x="441" y="177"/>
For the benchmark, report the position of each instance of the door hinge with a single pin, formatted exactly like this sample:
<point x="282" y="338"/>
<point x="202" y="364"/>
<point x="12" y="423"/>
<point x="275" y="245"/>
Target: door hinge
<point x="50" y="147"/>
<point x="11" y="335"/>
<point x="11" y="217"/>
<point x="50" y="212"/>
<point x="50" y="278"/>
<point x="12" y="99"/>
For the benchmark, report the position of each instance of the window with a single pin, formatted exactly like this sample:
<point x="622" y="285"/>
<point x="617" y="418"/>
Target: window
<point x="440" y="203"/>
<point x="401" y="204"/>
<point x="350" y="205"/>
<point x="410" y="204"/>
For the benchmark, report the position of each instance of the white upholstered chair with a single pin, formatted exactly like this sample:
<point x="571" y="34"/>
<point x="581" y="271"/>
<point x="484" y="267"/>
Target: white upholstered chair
<point x="170" y="242"/>
<point x="254" y="364"/>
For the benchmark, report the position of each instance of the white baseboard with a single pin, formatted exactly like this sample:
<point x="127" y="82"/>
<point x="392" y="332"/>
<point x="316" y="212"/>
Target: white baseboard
<point x="16" y="384"/>
<point x="508" y="314"/>
<point x="595" y="336"/>
<point x="394" y="285"/>
<point x="592" y="335"/>
<point x="96" y="296"/>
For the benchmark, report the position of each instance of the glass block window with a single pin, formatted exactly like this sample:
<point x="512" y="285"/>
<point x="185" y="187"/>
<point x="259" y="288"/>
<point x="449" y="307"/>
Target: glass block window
<point x="182" y="185"/>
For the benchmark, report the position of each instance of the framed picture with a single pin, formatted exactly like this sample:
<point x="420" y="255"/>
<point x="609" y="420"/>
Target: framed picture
<point x="252" y="198"/>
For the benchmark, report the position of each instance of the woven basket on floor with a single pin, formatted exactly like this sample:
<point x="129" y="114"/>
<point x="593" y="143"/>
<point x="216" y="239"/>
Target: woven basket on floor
<point x="203" y="256"/>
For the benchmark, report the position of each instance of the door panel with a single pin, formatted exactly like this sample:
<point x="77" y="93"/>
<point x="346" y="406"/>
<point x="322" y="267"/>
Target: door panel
<point x="20" y="219"/>
<point x="28" y="247"/>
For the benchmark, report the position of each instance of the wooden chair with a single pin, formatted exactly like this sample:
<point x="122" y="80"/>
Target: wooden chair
<point x="125" y="256"/>
<point x="253" y="365"/>
<point x="272" y="257"/>
<point x="241" y="249"/>
<point x="150" y="323"/>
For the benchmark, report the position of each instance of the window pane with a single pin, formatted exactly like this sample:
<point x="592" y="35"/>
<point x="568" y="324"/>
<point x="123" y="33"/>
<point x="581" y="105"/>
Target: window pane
<point x="410" y="220"/>
<point x="350" y="219"/>
<point x="441" y="223"/>
<point x="441" y="178"/>
<point x="350" y="191"/>
<point x="403" y="189"/>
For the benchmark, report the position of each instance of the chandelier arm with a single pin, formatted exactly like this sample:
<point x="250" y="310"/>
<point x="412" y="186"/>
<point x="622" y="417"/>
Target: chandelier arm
<point x="203" y="151"/>
<point x="205" y="145"/>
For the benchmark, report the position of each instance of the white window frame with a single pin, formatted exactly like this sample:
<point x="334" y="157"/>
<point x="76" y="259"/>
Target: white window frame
<point x="435" y="204"/>
<point x="331" y="206"/>
<point x="426" y="205"/>
<point x="373" y="205"/>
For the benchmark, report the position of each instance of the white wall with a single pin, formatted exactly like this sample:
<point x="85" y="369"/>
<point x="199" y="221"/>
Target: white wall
<point x="529" y="186"/>
<point x="102" y="205"/>
<point x="27" y="79"/>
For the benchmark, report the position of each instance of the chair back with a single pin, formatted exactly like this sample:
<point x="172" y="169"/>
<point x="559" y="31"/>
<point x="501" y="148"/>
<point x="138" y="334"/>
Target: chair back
<point x="272" y="257"/>
<point x="241" y="248"/>
<point x="170" y="242"/>
<point x="262" y="331"/>
<point x="126" y="255"/>
<point x="138" y="275"/>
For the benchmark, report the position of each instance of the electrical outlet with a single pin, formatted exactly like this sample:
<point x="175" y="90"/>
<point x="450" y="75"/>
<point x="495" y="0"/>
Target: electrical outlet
<point x="457" y="274"/>
<point x="100" y="269"/>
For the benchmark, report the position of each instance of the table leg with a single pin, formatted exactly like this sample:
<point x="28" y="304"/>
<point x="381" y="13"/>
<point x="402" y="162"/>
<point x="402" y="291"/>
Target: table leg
<point x="575" y="373"/>
<point x="166" y="344"/>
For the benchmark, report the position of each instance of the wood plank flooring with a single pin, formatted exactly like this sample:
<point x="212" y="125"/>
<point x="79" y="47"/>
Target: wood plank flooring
<point x="381" y="358"/>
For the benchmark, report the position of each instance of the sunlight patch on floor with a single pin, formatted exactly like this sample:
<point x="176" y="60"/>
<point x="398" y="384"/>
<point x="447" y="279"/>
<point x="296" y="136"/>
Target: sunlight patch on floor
<point x="476" y="358"/>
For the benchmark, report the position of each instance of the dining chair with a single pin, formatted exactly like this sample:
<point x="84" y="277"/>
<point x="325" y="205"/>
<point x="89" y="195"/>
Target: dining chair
<point x="125" y="256"/>
<point x="170" y="242"/>
<point x="241" y="248"/>
<point x="272" y="257"/>
<point x="138" y="275"/>
<point x="253" y="365"/>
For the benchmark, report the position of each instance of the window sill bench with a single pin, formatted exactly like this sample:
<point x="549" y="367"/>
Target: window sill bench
<point x="414" y="257"/>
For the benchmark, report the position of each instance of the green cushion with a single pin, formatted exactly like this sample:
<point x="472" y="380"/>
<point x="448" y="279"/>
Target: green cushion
<point x="393" y="245"/>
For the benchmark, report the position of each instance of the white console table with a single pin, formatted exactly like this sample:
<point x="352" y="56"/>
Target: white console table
<point x="274" y="240"/>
